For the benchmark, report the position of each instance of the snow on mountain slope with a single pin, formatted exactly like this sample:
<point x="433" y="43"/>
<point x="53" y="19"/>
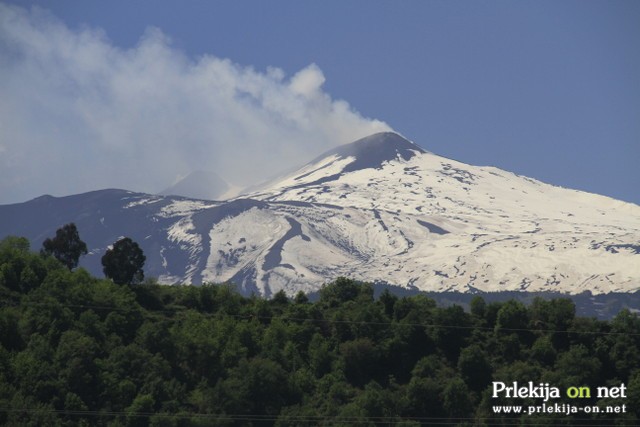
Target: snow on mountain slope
<point x="380" y="209"/>
<point x="488" y="229"/>
<point x="484" y="198"/>
<point x="369" y="152"/>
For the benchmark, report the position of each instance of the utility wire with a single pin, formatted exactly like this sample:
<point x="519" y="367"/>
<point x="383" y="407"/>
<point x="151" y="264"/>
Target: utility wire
<point x="324" y="320"/>
<point x="308" y="418"/>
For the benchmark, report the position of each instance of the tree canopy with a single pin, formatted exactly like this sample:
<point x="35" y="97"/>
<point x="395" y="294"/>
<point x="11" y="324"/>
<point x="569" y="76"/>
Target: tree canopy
<point x="66" y="246"/>
<point x="78" y="350"/>
<point x="123" y="263"/>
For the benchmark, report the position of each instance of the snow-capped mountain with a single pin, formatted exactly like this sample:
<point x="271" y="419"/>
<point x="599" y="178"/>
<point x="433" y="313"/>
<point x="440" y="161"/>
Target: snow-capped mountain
<point x="379" y="209"/>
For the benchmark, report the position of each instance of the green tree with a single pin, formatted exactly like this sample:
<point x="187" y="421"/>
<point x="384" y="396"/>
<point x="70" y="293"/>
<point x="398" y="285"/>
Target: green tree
<point x="343" y="290"/>
<point x="577" y="366"/>
<point x="13" y="243"/>
<point x="66" y="247"/>
<point x="257" y="386"/>
<point x="301" y="298"/>
<point x="123" y="263"/>
<point x="320" y="356"/>
<point x="452" y="330"/>
<point x="138" y="412"/>
<point x="74" y="360"/>
<point x="634" y="393"/>
<point x="555" y="315"/>
<point x="478" y="306"/>
<point x="474" y="367"/>
<point x="456" y="399"/>
<point x="512" y="316"/>
<point x="361" y="360"/>
<point x="543" y="351"/>
<point x="625" y="342"/>
<point x="388" y="301"/>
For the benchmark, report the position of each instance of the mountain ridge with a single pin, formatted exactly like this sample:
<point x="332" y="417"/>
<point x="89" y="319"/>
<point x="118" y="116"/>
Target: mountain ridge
<point x="403" y="216"/>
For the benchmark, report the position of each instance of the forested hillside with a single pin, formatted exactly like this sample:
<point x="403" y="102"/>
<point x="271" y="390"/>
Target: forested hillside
<point x="79" y="350"/>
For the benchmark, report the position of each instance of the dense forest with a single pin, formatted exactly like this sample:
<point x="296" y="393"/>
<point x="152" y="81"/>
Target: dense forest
<point x="80" y="350"/>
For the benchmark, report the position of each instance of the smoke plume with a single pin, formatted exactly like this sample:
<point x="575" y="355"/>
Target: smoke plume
<point x="78" y="113"/>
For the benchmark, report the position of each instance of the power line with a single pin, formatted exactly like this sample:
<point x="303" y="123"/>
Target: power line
<point x="510" y="421"/>
<point x="335" y="321"/>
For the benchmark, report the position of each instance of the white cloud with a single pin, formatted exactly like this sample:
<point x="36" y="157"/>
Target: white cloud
<point x="77" y="113"/>
<point x="308" y="82"/>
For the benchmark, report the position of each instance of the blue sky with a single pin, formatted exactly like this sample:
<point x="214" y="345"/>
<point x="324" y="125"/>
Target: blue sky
<point x="545" y="89"/>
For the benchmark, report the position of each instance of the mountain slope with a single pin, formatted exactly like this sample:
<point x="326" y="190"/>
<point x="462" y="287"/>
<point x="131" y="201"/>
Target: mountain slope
<point x="497" y="230"/>
<point x="369" y="152"/>
<point x="380" y="209"/>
